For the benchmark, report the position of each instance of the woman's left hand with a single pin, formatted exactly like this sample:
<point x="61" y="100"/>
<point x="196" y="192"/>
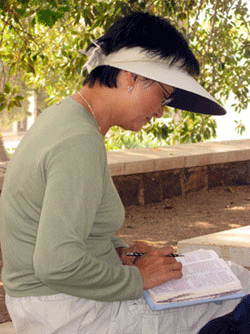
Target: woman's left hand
<point x="140" y="247"/>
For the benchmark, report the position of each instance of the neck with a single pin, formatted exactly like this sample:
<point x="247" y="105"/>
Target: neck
<point x="91" y="99"/>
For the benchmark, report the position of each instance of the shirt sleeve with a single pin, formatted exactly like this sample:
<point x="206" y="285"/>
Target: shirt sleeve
<point x="118" y="242"/>
<point x="74" y="186"/>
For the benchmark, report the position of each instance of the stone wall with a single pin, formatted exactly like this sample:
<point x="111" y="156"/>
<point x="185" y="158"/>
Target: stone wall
<point x="152" y="187"/>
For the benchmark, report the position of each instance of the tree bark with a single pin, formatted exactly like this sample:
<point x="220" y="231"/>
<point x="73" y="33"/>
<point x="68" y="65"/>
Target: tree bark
<point x="3" y="154"/>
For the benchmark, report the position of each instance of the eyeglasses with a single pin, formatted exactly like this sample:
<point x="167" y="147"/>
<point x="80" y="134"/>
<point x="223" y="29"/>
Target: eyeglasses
<point x="168" y="97"/>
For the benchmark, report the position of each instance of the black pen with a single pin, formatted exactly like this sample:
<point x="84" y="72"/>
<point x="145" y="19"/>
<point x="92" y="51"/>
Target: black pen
<point x="140" y="254"/>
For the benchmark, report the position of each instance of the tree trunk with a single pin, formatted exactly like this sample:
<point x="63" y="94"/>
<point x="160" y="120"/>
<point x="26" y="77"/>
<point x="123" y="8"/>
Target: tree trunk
<point x="3" y="154"/>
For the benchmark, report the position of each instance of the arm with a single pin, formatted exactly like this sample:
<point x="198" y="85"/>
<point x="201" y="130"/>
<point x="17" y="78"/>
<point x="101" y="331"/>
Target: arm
<point x="73" y="192"/>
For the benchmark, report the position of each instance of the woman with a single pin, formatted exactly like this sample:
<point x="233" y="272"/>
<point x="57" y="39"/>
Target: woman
<point x="63" y="269"/>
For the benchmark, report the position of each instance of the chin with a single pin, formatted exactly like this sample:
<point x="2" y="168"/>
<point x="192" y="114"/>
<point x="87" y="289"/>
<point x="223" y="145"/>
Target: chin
<point x="134" y="128"/>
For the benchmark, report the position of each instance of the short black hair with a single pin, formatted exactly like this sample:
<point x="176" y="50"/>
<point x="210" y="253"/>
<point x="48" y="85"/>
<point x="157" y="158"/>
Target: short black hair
<point x="152" y="33"/>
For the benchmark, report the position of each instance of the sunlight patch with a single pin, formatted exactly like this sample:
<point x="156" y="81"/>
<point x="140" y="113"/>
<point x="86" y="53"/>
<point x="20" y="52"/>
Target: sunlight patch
<point x="239" y="208"/>
<point x="204" y="224"/>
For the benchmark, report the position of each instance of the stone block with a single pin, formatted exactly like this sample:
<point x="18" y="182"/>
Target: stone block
<point x="152" y="187"/>
<point x="128" y="188"/>
<point x="233" y="173"/>
<point x="171" y="183"/>
<point x="193" y="179"/>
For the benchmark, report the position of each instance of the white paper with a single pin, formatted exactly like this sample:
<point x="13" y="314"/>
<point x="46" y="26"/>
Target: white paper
<point x="204" y="274"/>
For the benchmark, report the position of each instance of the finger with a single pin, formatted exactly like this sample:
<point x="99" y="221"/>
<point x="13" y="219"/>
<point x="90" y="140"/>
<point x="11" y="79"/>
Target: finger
<point x="128" y="260"/>
<point x="177" y="266"/>
<point x="158" y="270"/>
<point x="161" y="278"/>
<point x="175" y="274"/>
<point x="169" y="260"/>
<point x="164" y="251"/>
<point x="157" y="264"/>
<point x="168" y="264"/>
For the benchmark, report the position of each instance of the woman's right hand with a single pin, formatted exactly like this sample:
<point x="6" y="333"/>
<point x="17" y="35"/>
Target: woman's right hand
<point x="157" y="268"/>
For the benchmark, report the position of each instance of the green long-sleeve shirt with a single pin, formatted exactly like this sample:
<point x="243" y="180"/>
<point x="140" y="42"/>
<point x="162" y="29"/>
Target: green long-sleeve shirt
<point x="59" y="211"/>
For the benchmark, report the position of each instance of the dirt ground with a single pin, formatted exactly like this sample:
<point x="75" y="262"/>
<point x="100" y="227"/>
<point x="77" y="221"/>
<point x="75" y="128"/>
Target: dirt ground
<point x="188" y="216"/>
<point x="179" y="218"/>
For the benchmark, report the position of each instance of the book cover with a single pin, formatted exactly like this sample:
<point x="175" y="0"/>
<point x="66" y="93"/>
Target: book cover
<point x="163" y="306"/>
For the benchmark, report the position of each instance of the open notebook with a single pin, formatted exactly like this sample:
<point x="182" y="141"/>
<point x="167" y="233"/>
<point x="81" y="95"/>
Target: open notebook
<point x="206" y="278"/>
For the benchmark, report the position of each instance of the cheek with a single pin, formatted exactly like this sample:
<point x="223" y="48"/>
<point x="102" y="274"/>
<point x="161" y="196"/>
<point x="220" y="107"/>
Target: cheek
<point x="150" y="104"/>
<point x="148" y="101"/>
<point x="154" y="96"/>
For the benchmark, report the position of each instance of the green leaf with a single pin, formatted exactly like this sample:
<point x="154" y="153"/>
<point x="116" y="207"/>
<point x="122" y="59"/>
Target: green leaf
<point x="13" y="69"/>
<point x="3" y="4"/>
<point x="19" y="97"/>
<point x="46" y="17"/>
<point x="247" y="53"/>
<point x="17" y="104"/>
<point x="30" y="68"/>
<point x="11" y="105"/>
<point x="7" y="87"/>
<point x="2" y="98"/>
<point x="3" y="106"/>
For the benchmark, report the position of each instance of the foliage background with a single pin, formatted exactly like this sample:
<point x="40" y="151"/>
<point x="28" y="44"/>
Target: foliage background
<point x="39" y="43"/>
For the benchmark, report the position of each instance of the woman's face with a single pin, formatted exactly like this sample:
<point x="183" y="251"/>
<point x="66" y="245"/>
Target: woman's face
<point x="143" y="103"/>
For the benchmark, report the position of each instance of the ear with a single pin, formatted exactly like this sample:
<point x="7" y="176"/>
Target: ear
<point x="131" y="78"/>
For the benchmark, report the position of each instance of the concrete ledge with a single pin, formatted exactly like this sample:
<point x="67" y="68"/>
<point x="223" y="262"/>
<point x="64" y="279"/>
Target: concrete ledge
<point x="177" y="156"/>
<point x="233" y="245"/>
